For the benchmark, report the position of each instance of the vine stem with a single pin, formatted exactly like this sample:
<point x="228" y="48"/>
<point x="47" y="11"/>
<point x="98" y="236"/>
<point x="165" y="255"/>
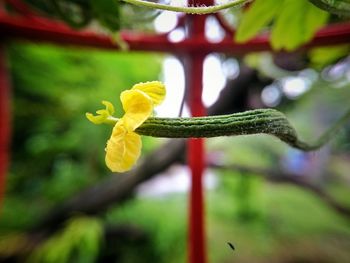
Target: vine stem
<point x="198" y="10"/>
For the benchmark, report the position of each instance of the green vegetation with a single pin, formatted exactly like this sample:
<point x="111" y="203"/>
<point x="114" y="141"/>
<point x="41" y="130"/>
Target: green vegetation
<point x="56" y="153"/>
<point x="55" y="150"/>
<point x="287" y="223"/>
<point x="273" y="203"/>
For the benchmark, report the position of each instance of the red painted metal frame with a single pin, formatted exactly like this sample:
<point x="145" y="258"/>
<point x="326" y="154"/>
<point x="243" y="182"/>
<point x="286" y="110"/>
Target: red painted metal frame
<point x="193" y="65"/>
<point x="5" y="127"/>
<point x="43" y="30"/>
<point x="192" y="51"/>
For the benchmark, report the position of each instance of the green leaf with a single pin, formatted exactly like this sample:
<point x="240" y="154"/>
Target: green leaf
<point x="296" y="24"/>
<point x="338" y="7"/>
<point x="322" y="56"/>
<point x="259" y="15"/>
<point x="107" y="13"/>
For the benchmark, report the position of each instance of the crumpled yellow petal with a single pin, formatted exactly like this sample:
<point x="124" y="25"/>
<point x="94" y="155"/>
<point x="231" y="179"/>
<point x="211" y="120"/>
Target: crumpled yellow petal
<point x="123" y="148"/>
<point x="154" y="89"/>
<point x="137" y="106"/>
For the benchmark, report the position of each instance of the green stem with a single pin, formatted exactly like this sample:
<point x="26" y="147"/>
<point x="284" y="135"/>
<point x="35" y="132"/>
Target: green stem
<point x="266" y="121"/>
<point x="199" y="10"/>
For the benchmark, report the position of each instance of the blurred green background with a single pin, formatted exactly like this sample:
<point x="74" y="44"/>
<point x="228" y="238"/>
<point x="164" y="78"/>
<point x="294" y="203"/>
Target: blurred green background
<point x="273" y="203"/>
<point x="56" y="153"/>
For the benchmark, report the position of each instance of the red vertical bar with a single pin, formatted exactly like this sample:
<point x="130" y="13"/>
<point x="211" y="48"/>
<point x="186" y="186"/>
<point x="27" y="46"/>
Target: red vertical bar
<point x="4" y="121"/>
<point x="195" y="153"/>
<point x="196" y="156"/>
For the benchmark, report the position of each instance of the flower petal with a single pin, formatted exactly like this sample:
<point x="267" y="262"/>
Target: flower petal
<point x="154" y="89"/>
<point x="123" y="149"/>
<point x="102" y="115"/>
<point x="137" y="106"/>
<point x="109" y="107"/>
<point x="95" y="119"/>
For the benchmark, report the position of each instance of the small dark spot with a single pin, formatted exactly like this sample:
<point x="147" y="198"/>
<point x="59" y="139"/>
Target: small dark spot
<point x="231" y="246"/>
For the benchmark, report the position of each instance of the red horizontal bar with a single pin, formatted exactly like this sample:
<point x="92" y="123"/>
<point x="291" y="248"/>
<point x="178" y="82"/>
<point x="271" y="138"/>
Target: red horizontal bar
<point x="44" y="30"/>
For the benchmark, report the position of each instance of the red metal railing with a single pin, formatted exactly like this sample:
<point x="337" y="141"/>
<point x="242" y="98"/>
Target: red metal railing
<point x="43" y="30"/>
<point x="193" y="65"/>
<point x="5" y="126"/>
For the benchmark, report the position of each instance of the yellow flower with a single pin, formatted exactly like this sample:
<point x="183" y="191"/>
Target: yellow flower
<point x="124" y="146"/>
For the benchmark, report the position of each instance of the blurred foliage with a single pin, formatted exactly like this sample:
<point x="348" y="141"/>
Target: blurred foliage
<point x="294" y="27"/>
<point x="285" y="223"/>
<point x="339" y="7"/>
<point x="106" y="15"/>
<point x="56" y="152"/>
<point x="12" y="243"/>
<point x="287" y="217"/>
<point x="291" y="28"/>
<point x="245" y="195"/>
<point x="79" y="13"/>
<point x="78" y="242"/>
<point x="258" y="16"/>
<point x="164" y="220"/>
<point x="323" y="56"/>
<point x="55" y="149"/>
<point x="291" y="22"/>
